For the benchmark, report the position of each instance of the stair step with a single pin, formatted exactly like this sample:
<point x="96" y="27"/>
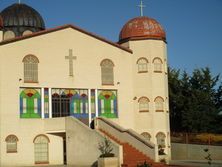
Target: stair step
<point x="159" y="165"/>
<point x="131" y="155"/>
<point x="135" y="157"/>
<point x="138" y="159"/>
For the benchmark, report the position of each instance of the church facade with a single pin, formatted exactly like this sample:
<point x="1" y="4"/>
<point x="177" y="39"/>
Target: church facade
<point x="55" y="83"/>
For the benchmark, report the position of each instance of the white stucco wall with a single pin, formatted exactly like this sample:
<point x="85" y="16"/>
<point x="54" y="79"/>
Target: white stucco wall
<point x="195" y="152"/>
<point x="51" y="50"/>
<point x="82" y="144"/>
<point x="151" y="85"/>
<point x="53" y="68"/>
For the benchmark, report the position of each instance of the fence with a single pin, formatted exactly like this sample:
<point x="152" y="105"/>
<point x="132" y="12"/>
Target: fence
<point x="197" y="138"/>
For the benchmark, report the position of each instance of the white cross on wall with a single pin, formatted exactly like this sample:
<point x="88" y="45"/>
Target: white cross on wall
<point x="70" y="57"/>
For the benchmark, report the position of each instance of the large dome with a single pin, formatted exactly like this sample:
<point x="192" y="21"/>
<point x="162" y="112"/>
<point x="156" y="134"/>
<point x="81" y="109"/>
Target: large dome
<point x="21" y="17"/>
<point x="142" y="28"/>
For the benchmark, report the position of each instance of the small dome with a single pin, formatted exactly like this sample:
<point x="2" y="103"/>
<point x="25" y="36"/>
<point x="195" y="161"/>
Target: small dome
<point x="142" y="28"/>
<point x="21" y="17"/>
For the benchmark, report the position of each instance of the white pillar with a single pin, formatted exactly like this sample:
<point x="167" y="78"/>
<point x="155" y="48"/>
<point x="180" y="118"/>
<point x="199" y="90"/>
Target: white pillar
<point x="50" y="102"/>
<point x="42" y="103"/>
<point x="89" y="106"/>
<point x="96" y="102"/>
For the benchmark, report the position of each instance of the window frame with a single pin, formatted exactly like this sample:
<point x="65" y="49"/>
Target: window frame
<point x="161" y="143"/>
<point x="158" y="66"/>
<point x="30" y="69"/>
<point x="143" y="106"/>
<point x="141" y="65"/>
<point x="9" y="34"/>
<point x="35" y="145"/>
<point x="157" y="104"/>
<point x="27" y="32"/>
<point x="107" y="70"/>
<point x="9" y="137"/>
<point x="146" y="135"/>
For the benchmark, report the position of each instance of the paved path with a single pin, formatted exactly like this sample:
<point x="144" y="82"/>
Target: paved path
<point x="192" y="163"/>
<point x="173" y="163"/>
<point x="49" y="166"/>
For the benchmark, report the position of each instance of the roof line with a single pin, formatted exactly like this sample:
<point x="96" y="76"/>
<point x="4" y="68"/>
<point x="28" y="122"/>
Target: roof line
<point x="4" y="42"/>
<point x="141" y="38"/>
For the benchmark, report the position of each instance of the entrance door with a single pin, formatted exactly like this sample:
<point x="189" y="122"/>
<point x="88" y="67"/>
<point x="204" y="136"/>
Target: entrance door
<point x="60" y="105"/>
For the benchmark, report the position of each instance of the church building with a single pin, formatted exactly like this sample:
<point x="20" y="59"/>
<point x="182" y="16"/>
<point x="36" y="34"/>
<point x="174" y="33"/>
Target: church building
<point x="63" y="89"/>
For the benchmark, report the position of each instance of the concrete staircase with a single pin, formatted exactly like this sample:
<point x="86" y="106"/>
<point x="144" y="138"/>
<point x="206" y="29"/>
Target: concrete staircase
<point x="131" y="156"/>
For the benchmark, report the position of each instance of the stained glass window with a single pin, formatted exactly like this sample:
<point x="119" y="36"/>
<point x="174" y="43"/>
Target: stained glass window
<point x="30" y="103"/>
<point x="46" y="102"/>
<point x="93" y="103"/>
<point x="107" y="106"/>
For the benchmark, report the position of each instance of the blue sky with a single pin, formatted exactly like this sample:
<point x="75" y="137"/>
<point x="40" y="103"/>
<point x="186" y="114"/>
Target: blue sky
<point x="193" y="27"/>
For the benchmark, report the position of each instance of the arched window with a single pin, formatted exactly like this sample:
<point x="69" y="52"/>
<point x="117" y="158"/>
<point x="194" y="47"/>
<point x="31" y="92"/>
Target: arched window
<point x="142" y="65"/>
<point x="157" y="64"/>
<point x="143" y="104"/>
<point x="11" y="144"/>
<point x="161" y="137"/>
<point x="107" y="103"/>
<point x="9" y="35"/>
<point x="30" y="103"/>
<point x="146" y="135"/>
<point x="41" y="149"/>
<point x="159" y="104"/>
<point x="27" y="32"/>
<point x="30" y="68"/>
<point x="107" y="72"/>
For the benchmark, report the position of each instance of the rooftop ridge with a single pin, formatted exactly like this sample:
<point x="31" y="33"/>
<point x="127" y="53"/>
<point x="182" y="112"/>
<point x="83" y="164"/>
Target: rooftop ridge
<point x="4" y="42"/>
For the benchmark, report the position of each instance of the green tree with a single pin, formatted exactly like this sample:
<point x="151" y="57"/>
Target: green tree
<point x="175" y="99"/>
<point x="195" y="101"/>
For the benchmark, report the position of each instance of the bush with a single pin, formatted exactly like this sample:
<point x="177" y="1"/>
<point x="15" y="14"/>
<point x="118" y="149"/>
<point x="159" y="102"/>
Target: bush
<point x="105" y="148"/>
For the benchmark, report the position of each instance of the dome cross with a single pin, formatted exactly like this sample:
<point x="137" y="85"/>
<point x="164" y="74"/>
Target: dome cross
<point x="141" y="6"/>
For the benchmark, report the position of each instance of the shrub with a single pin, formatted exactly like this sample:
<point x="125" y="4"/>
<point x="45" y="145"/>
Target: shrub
<point x="105" y="148"/>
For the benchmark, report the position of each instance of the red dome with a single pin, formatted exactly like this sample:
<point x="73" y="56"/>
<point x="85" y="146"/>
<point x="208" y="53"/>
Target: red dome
<point x="142" y="28"/>
<point x="1" y="23"/>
